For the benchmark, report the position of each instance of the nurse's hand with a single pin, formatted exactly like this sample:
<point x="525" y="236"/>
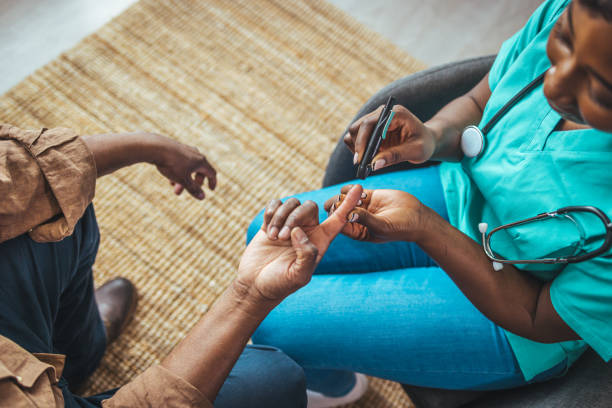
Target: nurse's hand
<point x="382" y="215"/>
<point x="275" y="264"/>
<point x="408" y="139"/>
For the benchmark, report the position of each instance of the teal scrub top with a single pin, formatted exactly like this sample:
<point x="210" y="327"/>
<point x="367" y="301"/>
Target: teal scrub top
<point x="527" y="167"/>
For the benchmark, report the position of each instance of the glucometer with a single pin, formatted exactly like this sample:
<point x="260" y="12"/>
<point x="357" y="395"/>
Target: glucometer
<point x="365" y="167"/>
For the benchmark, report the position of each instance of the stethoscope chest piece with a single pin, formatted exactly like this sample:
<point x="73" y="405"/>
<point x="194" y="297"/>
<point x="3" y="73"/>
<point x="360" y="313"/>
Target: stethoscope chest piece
<point x="472" y="138"/>
<point x="472" y="141"/>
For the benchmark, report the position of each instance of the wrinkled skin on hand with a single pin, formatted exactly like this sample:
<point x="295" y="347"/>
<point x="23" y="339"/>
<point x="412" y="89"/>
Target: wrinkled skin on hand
<point x="284" y="253"/>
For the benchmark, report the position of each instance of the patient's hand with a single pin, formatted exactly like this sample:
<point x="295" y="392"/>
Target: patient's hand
<point x="381" y="215"/>
<point x="274" y="265"/>
<point x="185" y="167"/>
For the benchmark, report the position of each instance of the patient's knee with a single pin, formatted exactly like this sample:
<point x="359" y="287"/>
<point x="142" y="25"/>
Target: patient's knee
<point x="264" y="377"/>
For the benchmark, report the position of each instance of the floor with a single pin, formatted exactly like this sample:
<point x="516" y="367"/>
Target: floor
<point x="439" y="31"/>
<point x="33" y="32"/>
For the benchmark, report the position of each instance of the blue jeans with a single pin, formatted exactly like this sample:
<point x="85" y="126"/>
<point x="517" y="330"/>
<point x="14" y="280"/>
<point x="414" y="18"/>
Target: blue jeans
<point x="389" y="311"/>
<point x="47" y="305"/>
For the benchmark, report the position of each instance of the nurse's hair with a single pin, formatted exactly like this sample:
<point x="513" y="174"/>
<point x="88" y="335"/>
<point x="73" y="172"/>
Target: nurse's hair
<point x="601" y="8"/>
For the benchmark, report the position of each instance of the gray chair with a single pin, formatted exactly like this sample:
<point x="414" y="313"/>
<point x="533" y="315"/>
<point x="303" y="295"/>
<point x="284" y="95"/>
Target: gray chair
<point x="589" y="382"/>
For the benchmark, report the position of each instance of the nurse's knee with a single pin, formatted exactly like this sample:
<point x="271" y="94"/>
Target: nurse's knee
<point x="272" y="330"/>
<point x="255" y="226"/>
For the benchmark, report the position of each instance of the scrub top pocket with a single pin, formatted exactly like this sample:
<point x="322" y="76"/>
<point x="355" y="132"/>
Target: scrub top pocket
<point x="589" y="141"/>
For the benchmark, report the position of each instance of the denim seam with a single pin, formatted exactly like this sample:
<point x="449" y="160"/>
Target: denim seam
<point x="404" y="370"/>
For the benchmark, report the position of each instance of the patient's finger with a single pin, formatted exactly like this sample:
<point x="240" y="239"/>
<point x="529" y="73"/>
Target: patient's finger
<point x="334" y="202"/>
<point x="365" y="195"/>
<point x="281" y="214"/>
<point x="345" y="189"/>
<point x="306" y="257"/>
<point x="269" y="212"/>
<point x="305" y="215"/>
<point x="336" y="221"/>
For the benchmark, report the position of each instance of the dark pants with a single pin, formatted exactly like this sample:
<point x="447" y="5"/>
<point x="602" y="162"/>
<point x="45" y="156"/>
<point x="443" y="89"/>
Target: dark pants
<point x="47" y="305"/>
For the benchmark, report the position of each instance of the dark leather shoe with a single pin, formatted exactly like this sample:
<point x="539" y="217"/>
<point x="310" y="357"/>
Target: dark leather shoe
<point x="117" y="301"/>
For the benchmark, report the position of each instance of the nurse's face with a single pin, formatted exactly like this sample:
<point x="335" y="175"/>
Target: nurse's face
<point x="579" y="83"/>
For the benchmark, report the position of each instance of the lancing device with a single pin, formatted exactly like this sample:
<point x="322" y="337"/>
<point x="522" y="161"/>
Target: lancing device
<point x="365" y="168"/>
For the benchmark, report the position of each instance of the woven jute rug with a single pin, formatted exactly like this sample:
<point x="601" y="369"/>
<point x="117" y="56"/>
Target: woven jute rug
<point x="264" y="88"/>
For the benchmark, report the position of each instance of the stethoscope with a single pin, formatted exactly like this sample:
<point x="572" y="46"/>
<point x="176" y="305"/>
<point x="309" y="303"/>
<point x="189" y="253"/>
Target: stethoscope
<point x="472" y="138"/>
<point x="472" y="145"/>
<point x="565" y="213"/>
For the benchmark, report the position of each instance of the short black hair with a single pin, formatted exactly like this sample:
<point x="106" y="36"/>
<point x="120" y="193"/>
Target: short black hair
<point x="601" y="8"/>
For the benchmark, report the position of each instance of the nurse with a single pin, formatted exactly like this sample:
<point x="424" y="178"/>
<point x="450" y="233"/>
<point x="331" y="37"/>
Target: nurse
<point x="407" y="293"/>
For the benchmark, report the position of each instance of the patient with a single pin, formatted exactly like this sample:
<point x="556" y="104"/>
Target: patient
<point x="407" y="292"/>
<point x="54" y="328"/>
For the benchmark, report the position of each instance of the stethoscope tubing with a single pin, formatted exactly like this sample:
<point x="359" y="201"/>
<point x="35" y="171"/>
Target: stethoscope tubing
<point x="486" y="238"/>
<point x="528" y="88"/>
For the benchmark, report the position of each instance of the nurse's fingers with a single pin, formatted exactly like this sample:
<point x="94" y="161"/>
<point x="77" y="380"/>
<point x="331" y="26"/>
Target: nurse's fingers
<point x="364" y="127"/>
<point x="363" y="136"/>
<point x="355" y="125"/>
<point x="389" y="156"/>
<point x="328" y="204"/>
<point x="349" y="142"/>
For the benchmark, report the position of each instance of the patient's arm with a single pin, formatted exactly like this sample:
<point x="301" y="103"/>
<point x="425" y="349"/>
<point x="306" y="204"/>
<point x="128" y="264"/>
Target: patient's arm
<point x="183" y="165"/>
